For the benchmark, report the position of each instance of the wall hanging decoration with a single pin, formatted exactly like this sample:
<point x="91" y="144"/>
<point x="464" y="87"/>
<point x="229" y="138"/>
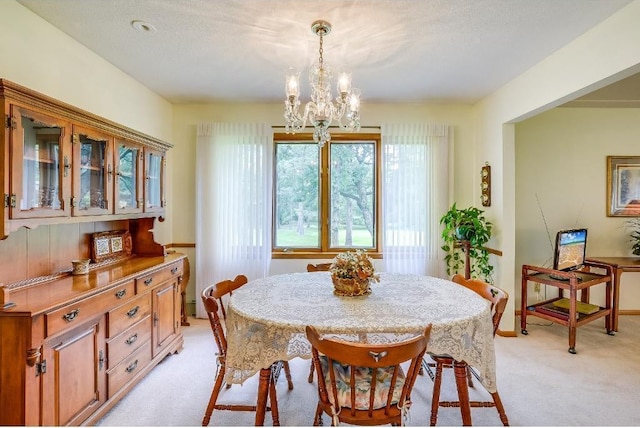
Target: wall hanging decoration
<point x="485" y="185"/>
<point x="623" y="186"/>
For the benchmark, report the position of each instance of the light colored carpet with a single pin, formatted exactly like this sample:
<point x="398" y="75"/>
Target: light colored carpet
<point x="540" y="384"/>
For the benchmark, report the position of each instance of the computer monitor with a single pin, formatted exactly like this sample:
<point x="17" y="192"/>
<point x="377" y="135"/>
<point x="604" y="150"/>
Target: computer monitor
<point x="570" y="249"/>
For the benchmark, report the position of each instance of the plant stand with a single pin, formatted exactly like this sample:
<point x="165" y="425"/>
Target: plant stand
<point x="466" y="246"/>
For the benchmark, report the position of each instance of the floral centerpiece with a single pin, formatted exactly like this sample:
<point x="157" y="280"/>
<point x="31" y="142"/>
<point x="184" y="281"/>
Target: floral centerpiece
<point x="351" y="273"/>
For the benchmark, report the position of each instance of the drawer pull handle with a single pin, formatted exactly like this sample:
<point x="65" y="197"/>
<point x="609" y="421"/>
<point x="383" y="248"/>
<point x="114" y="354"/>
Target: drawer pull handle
<point x="71" y="315"/>
<point x="132" y="367"/>
<point x="131" y="339"/>
<point x="120" y="294"/>
<point x="132" y="313"/>
<point x="148" y="281"/>
<point x="174" y="270"/>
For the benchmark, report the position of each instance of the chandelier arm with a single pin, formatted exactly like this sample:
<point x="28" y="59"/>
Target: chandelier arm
<point x="293" y="121"/>
<point x="309" y="108"/>
<point x="340" y="110"/>
<point x="352" y="118"/>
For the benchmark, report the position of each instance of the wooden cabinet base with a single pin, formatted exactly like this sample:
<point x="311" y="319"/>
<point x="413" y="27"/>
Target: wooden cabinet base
<point x="174" y="348"/>
<point x="73" y="399"/>
<point x="68" y="354"/>
<point x="69" y="176"/>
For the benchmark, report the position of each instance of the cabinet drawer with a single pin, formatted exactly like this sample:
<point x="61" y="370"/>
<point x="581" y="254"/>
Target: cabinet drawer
<point x="122" y="317"/>
<point x="128" y="368"/>
<point x="127" y="341"/>
<point x="76" y="313"/>
<point x="158" y="277"/>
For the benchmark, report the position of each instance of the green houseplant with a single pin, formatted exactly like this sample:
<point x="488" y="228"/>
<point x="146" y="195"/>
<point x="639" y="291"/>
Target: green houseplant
<point x="634" y="226"/>
<point x="468" y="224"/>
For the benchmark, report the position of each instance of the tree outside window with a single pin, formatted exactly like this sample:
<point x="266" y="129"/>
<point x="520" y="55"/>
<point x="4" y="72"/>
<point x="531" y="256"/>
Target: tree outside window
<point x="325" y="200"/>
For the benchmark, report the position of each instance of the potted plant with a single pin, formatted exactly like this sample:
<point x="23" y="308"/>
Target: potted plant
<point x="634" y="226"/>
<point x="463" y="226"/>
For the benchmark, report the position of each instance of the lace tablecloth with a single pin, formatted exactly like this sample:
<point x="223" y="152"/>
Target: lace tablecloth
<point x="266" y="319"/>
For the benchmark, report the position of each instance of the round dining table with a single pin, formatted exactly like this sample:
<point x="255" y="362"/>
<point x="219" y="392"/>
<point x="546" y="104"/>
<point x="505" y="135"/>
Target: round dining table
<point x="266" y="320"/>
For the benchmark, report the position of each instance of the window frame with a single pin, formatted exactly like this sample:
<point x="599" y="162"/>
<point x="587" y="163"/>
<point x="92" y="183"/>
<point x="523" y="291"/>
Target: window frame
<point x="325" y="252"/>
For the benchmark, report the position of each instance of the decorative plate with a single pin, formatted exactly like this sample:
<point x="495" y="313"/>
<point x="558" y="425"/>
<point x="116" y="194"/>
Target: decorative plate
<point x="116" y="244"/>
<point x="109" y="245"/>
<point x="102" y="246"/>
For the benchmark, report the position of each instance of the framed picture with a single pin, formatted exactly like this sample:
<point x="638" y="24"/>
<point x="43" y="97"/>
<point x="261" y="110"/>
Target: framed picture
<point x="623" y="186"/>
<point x="110" y="245"/>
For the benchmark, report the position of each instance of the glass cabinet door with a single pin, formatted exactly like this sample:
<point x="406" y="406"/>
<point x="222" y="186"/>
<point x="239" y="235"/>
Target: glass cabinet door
<point x="40" y="165"/>
<point x="93" y="172"/>
<point x="154" y="186"/>
<point x="128" y="197"/>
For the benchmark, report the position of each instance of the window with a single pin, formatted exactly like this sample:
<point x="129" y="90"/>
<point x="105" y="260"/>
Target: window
<point x="325" y="200"/>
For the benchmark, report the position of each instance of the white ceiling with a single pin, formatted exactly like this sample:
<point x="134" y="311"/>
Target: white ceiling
<point x="397" y="51"/>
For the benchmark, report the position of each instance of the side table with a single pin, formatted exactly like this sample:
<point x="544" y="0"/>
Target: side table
<point x="619" y="265"/>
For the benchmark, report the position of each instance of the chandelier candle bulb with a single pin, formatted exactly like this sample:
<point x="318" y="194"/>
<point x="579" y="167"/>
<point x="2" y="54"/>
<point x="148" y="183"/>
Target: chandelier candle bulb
<point x="292" y="86"/>
<point x="344" y="84"/>
<point x="354" y="101"/>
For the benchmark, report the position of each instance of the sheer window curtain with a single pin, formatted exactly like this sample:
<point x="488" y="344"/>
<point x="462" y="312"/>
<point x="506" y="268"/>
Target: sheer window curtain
<point x="415" y="194"/>
<point x="233" y="203"/>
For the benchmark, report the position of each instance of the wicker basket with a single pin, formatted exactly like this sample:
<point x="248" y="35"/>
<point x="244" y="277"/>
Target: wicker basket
<point x="80" y="266"/>
<point x="350" y="286"/>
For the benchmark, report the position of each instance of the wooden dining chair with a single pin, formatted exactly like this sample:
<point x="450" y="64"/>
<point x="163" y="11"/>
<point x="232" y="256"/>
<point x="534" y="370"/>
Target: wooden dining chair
<point x="214" y="299"/>
<point x="498" y="299"/>
<point x="227" y="287"/>
<point x="316" y="268"/>
<point x="363" y="383"/>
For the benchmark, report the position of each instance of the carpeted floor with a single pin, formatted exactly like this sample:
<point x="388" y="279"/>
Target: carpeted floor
<point x="540" y="384"/>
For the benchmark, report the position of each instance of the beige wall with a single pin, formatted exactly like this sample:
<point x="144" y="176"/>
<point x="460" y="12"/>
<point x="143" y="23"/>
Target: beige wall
<point x="484" y="132"/>
<point x="604" y="54"/>
<point x="38" y="56"/>
<point x="186" y="117"/>
<point x="561" y="162"/>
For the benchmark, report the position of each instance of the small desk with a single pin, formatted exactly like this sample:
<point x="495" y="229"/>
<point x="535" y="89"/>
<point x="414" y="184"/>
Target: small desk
<point x="619" y="265"/>
<point x="267" y="320"/>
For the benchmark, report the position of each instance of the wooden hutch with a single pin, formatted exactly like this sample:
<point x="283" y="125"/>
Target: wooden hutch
<point x="72" y="345"/>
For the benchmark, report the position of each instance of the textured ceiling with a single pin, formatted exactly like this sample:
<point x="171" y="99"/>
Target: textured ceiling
<point x="397" y="51"/>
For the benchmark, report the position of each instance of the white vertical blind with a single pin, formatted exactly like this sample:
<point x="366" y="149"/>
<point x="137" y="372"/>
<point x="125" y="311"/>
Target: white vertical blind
<point x="415" y="194"/>
<point x="233" y="203"/>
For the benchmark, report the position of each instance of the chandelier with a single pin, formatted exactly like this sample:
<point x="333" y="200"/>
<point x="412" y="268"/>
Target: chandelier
<point x="321" y="111"/>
